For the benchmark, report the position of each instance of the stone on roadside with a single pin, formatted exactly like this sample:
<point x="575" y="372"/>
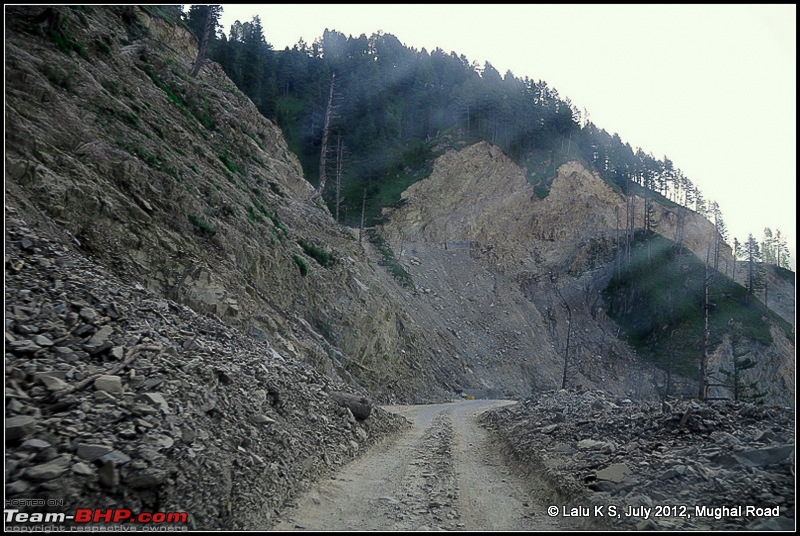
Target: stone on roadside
<point x="109" y="383"/>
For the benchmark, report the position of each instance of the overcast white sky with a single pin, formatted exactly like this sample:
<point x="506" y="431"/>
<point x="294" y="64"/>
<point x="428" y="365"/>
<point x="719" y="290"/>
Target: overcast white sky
<point x="712" y="87"/>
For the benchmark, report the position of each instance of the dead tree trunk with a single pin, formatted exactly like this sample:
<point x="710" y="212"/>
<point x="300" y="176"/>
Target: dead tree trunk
<point x="324" y="151"/>
<point x="211" y="16"/>
<point x="707" y="275"/>
<point x="338" y="175"/>
<point x="363" y="207"/>
<point x="554" y="278"/>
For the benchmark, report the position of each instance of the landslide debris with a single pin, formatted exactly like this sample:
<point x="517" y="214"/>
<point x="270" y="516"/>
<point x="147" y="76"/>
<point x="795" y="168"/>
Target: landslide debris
<point x="119" y="398"/>
<point x="598" y="449"/>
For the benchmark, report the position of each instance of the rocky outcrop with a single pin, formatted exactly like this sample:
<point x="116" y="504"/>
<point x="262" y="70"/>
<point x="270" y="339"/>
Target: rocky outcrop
<point x="600" y="450"/>
<point x="479" y="194"/>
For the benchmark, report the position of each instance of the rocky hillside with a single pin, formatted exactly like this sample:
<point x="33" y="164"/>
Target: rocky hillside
<point x="179" y="184"/>
<point x="555" y="256"/>
<point x="118" y="397"/>
<point x="479" y="194"/>
<point x="180" y="312"/>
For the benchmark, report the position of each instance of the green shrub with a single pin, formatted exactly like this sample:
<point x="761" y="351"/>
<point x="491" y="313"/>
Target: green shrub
<point x="228" y="163"/>
<point x="202" y="225"/>
<point x="389" y="261"/>
<point x="322" y="257"/>
<point x="67" y="45"/>
<point x="301" y="264"/>
<point x="103" y="47"/>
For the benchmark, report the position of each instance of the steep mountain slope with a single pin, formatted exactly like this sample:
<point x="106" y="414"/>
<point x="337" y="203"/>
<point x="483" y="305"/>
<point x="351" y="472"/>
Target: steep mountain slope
<point x="479" y="194"/>
<point x="180" y="184"/>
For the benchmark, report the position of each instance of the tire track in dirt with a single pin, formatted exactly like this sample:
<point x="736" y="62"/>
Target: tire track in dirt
<point x="443" y="474"/>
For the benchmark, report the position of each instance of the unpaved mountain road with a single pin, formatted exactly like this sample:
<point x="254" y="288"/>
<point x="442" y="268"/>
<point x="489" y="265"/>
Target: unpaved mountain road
<point x="443" y="474"/>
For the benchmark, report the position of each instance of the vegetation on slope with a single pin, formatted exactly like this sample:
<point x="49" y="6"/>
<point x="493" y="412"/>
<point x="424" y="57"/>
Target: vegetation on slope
<point x="657" y="299"/>
<point x="396" y="107"/>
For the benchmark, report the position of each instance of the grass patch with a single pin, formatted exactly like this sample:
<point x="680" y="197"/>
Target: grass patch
<point x="322" y="257"/>
<point x="129" y="118"/>
<point x="389" y="261"/>
<point x="66" y="44"/>
<point x="255" y="140"/>
<point x="301" y="265"/>
<point x="191" y="112"/>
<point x="155" y="161"/>
<point x="103" y="46"/>
<point x="253" y="216"/>
<point x="228" y="163"/>
<point x="412" y="165"/>
<point x="279" y="228"/>
<point x="658" y="302"/>
<point x="203" y="226"/>
<point x="112" y="86"/>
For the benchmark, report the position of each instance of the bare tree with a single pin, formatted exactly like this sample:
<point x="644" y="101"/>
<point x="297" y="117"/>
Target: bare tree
<point x="554" y="279"/>
<point x="616" y="239"/>
<point x="212" y="16"/>
<point x="363" y="207"/>
<point x="708" y="274"/>
<point x="323" y="157"/>
<point x="339" y="159"/>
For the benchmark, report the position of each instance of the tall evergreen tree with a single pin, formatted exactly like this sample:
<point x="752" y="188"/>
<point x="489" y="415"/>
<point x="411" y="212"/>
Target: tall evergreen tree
<point x="781" y="250"/>
<point x="768" y="247"/>
<point x="752" y="254"/>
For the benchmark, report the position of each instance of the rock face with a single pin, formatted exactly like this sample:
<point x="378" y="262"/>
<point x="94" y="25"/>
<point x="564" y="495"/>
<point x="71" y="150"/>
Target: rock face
<point x="479" y="194"/>
<point x="602" y="450"/>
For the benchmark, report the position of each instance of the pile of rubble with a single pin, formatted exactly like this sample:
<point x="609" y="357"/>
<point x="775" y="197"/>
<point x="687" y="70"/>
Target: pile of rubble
<point x="672" y="465"/>
<point x="116" y="398"/>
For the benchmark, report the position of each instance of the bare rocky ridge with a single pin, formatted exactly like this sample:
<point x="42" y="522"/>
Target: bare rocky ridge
<point x="504" y="264"/>
<point x="479" y="194"/>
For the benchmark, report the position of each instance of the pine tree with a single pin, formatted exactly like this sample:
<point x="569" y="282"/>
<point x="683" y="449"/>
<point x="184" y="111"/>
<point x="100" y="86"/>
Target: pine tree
<point x="781" y="250"/>
<point x="755" y="276"/>
<point x="768" y="247"/>
<point x="721" y="232"/>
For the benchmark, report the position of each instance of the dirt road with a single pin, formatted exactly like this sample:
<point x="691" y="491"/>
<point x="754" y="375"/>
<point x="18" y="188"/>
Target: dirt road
<point x="442" y="474"/>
